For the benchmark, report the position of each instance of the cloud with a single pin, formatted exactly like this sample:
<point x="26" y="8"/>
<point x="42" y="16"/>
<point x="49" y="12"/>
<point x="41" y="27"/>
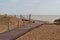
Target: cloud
<point x="3" y="4"/>
<point x="14" y="1"/>
<point x="31" y="3"/>
<point x="28" y="5"/>
<point x="36" y="1"/>
<point x="57" y="2"/>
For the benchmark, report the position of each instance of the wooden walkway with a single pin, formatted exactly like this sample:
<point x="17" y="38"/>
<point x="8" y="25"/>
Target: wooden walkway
<point x="18" y="32"/>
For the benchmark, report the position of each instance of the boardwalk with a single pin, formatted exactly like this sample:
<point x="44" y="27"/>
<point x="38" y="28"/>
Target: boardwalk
<point x="18" y="32"/>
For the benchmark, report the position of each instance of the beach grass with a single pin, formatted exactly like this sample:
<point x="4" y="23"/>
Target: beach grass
<point x="45" y="32"/>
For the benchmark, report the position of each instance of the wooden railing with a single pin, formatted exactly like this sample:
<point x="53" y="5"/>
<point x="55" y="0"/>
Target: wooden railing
<point x="18" y="32"/>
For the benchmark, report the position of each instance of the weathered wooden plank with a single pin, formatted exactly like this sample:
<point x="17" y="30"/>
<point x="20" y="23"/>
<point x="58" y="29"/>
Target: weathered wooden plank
<point x="18" y="32"/>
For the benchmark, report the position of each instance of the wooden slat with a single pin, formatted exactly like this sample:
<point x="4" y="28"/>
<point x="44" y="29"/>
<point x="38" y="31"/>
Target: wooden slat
<point x="18" y="32"/>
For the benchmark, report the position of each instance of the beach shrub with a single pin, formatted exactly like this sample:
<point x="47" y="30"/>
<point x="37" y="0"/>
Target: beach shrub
<point x="4" y="19"/>
<point x="57" y="21"/>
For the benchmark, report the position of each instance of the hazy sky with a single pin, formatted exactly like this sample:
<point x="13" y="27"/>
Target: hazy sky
<point x="35" y="7"/>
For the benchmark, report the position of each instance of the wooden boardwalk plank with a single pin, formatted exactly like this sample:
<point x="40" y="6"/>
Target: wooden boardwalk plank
<point x="18" y="32"/>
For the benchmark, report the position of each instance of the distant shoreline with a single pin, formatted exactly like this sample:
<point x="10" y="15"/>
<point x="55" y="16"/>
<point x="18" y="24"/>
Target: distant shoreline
<point x="49" y="18"/>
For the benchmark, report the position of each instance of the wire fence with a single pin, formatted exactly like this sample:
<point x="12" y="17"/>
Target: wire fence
<point x="16" y="24"/>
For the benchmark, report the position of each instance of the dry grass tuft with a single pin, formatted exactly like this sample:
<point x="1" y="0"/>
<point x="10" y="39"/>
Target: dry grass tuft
<point x="13" y="20"/>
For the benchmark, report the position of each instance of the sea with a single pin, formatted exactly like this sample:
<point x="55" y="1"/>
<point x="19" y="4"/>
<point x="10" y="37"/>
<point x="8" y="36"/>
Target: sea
<point x="48" y="18"/>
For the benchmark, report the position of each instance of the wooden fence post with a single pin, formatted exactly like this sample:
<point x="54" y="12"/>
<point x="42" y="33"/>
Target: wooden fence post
<point x="8" y="26"/>
<point x="18" y="23"/>
<point x="14" y="15"/>
<point x="8" y="23"/>
<point x="22" y="19"/>
<point x="29" y="17"/>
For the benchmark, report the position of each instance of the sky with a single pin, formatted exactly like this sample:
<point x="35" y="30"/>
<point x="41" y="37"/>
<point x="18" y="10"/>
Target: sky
<point x="34" y="7"/>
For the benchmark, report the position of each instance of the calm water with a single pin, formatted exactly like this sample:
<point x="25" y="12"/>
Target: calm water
<point x="49" y="18"/>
